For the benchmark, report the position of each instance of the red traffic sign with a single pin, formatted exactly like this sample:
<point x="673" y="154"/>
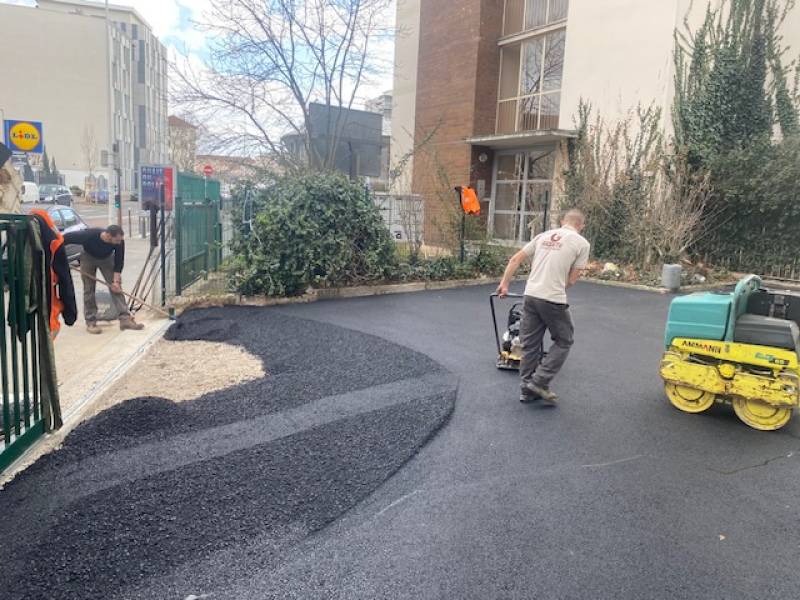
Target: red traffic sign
<point x="208" y="170"/>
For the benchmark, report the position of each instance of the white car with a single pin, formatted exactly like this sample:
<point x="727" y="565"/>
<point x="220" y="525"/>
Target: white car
<point x="30" y="192"/>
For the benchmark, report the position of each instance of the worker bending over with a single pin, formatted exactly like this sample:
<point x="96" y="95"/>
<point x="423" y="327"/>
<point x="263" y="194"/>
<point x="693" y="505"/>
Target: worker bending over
<point x="558" y="258"/>
<point x="103" y="249"/>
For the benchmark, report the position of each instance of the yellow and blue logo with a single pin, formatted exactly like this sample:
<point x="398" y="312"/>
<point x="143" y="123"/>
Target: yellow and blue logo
<point x="24" y="136"/>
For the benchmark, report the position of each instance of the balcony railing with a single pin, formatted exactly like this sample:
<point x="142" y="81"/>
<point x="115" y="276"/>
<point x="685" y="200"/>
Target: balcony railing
<point x="528" y="113"/>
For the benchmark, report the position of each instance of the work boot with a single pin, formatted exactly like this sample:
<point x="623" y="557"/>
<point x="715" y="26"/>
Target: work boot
<point x="93" y="328"/>
<point x="129" y="324"/>
<point x="526" y="396"/>
<point x="542" y="391"/>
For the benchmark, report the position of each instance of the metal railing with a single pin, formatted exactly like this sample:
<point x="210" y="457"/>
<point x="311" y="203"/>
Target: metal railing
<point x="20" y="339"/>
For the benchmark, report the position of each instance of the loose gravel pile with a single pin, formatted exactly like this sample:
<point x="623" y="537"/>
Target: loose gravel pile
<point x="88" y="521"/>
<point x="179" y="371"/>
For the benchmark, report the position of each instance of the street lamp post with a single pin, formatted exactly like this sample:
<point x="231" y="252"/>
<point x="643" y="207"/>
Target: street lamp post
<point x="111" y="171"/>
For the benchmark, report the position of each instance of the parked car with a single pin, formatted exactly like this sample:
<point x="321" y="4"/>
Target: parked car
<point x="55" y="194"/>
<point x="98" y="196"/>
<point x="30" y="192"/>
<point x="66" y="220"/>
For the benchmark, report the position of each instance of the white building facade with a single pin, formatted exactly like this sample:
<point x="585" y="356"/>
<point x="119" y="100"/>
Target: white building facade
<point x="65" y="82"/>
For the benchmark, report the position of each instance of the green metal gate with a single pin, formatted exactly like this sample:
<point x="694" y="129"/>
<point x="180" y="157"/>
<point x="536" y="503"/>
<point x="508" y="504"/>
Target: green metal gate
<point x="198" y="229"/>
<point x="20" y="340"/>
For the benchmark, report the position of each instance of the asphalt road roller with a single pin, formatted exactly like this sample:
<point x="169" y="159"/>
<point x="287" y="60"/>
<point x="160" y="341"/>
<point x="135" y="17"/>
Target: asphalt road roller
<point x="735" y="347"/>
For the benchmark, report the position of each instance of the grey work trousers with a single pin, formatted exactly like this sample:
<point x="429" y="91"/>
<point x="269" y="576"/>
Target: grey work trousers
<point x="89" y="266"/>
<point x="539" y="316"/>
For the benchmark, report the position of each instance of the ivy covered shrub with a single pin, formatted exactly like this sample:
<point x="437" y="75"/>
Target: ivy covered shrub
<point x="315" y="229"/>
<point x="736" y="114"/>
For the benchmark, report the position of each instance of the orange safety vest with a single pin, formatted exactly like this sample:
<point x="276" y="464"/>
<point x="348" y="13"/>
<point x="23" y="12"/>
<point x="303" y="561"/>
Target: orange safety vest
<point x="469" y="201"/>
<point x="56" y="305"/>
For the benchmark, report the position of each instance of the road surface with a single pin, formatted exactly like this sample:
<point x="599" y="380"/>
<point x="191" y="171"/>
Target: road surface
<point x="614" y="494"/>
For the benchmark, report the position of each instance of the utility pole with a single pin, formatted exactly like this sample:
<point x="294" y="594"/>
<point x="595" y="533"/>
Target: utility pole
<point x="112" y="159"/>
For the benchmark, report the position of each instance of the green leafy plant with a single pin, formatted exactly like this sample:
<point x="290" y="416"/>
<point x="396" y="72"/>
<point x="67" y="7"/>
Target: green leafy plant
<point x="315" y="229"/>
<point x="736" y="115"/>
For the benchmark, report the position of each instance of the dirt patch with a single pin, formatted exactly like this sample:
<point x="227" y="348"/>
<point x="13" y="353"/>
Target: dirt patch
<point x="179" y="371"/>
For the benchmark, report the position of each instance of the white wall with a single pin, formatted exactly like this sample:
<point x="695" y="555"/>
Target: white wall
<point x="405" y="88"/>
<point x="619" y="53"/>
<point x="53" y="70"/>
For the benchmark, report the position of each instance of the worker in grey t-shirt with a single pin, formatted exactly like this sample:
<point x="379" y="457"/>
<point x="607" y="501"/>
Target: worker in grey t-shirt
<point x="559" y="256"/>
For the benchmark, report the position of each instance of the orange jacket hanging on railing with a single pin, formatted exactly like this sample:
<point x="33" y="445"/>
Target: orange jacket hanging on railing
<point x="469" y="201"/>
<point x="62" y="293"/>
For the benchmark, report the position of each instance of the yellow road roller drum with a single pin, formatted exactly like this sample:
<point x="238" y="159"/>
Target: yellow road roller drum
<point x="718" y="348"/>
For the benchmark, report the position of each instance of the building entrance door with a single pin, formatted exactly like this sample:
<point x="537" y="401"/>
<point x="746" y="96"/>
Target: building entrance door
<point x="521" y="194"/>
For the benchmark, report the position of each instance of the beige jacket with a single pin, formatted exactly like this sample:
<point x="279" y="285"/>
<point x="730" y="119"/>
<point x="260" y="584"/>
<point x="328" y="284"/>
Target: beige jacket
<point x="10" y="189"/>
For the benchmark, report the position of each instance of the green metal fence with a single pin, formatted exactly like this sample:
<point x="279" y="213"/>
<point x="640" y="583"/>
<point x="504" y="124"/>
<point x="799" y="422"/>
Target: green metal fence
<point x="20" y="338"/>
<point x="198" y="229"/>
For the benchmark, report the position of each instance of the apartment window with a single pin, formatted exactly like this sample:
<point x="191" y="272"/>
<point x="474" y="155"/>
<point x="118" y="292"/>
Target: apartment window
<point x="530" y="83"/>
<point x="521" y="201"/>
<point x="141" y="64"/>
<point x="142" y="127"/>
<point x="528" y="15"/>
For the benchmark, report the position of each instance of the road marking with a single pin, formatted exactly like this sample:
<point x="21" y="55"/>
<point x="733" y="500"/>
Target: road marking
<point x="614" y="462"/>
<point x="396" y="502"/>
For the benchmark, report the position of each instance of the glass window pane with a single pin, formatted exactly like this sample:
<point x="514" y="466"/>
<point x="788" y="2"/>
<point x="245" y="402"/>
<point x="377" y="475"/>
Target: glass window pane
<point x="540" y="164"/>
<point x="550" y="111"/>
<point x="509" y="76"/>
<point x="513" y="17"/>
<point x="558" y="10"/>
<point x="535" y="13"/>
<point x="507" y="116"/>
<point x="507" y="196"/>
<point x="532" y="68"/>
<point x="69" y="218"/>
<point x="57" y="220"/>
<point x="529" y="114"/>
<point x="509" y="166"/>
<point x="538" y="197"/>
<point x="534" y="225"/>
<point x="554" y="60"/>
<point x="506" y="227"/>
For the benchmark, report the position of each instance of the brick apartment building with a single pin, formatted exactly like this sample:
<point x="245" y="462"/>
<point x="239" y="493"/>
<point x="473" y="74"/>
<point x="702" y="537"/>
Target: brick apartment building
<point x="490" y="90"/>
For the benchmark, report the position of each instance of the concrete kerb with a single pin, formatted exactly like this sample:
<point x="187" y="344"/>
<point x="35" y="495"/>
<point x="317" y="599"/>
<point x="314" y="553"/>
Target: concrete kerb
<point x="73" y="417"/>
<point x="315" y="295"/>
<point x="657" y="289"/>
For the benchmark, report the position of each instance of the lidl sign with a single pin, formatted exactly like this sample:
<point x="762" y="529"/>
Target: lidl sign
<point x="24" y="136"/>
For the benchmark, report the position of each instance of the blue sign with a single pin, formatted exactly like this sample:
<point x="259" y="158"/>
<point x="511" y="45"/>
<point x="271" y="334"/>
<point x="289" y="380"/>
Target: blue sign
<point x="24" y="136"/>
<point x="151" y="180"/>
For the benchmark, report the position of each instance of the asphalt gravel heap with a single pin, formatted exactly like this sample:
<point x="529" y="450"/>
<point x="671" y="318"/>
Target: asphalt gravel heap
<point x="150" y="487"/>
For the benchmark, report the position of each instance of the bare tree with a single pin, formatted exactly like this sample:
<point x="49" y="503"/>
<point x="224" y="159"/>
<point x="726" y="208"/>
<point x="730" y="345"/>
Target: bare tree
<point x="269" y="59"/>
<point x="644" y="203"/>
<point x="89" y="149"/>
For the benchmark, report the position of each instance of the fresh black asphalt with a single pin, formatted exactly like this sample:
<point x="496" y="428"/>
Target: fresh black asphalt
<point x="614" y="494"/>
<point x="149" y="486"/>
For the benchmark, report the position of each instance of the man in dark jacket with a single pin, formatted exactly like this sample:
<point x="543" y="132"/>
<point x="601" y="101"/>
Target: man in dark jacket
<point x="103" y="249"/>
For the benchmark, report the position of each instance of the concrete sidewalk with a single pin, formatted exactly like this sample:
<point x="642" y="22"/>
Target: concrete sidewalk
<point x="87" y="363"/>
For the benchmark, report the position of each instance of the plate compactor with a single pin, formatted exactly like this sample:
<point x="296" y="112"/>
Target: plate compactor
<point x="509" y="348"/>
<point x="738" y="348"/>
